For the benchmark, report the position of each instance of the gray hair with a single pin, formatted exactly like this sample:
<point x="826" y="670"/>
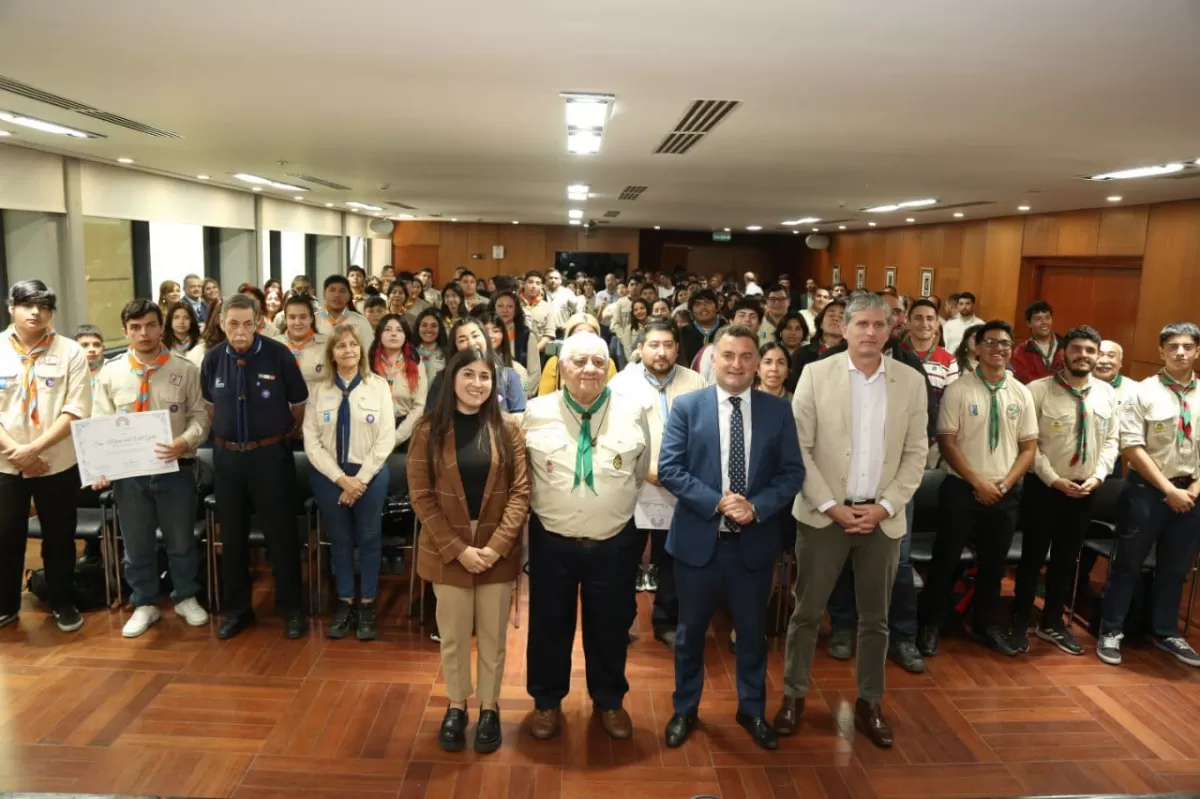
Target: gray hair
<point x="243" y="301"/>
<point x="582" y="342"/>
<point x="862" y="301"/>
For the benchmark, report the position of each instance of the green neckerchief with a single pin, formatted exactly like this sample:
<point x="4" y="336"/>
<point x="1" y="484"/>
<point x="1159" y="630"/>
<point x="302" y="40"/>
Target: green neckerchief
<point x="1081" y="416"/>
<point x="1116" y="381"/>
<point x="994" y="411"/>
<point x="583" y="449"/>
<point x="1183" y="431"/>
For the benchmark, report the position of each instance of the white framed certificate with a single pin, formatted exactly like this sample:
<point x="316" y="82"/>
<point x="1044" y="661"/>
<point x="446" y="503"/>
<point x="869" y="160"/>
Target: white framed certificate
<point x="115" y="447"/>
<point x="655" y="508"/>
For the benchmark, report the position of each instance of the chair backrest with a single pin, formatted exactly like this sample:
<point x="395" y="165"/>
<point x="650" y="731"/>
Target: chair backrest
<point x="925" y="501"/>
<point x="1105" y="507"/>
<point x="397" y="464"/>
<point x="303" y="479"/>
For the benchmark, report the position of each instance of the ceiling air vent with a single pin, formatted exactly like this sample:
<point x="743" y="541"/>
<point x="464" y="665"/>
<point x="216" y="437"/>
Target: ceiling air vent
<point x="604" y="222"/>
<point x="971" y="204"/>
<point x="329" y="184"/>
<point x="699" y="120"/>
<point x="612" y="214"/>
<point x="632" y="192"/>
<point x="29" y="92"/>
<point x="402" y="205"/>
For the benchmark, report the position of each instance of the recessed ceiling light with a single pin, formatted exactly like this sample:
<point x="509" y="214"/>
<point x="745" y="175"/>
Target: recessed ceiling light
<point x="808" y="220"/>
<point x="816" y="230"/>
<point x="870" y="224"/>
<point x="328" y="205"/>
<point x="1139" y="172"/>
<point x="357" y="206"/>
<point x="959" y="214"/>
<point x="405" y="216"/>
<point x="257" y="188"/>
<point x="1116" y="198"/>
<point x="579" y="188"/>
<point x="883" y="209"/>
<point x="841" y="227"/>
<point x="586" y="115"/>
<point x="574" y="222"/>
<point x="297" y="197"/>
<point x="583" y="142"/>
<point x="577" y="196"/>
<point x="575" y="213"/>
<point x="726" y="230"/>
<point x="124" y="160"/>
<point x="753" y="227"/>
<point x="658" y="227"/>
<point x="201" y="177"/>
<point x="454" y="219"/>
<point x="47" y="127"/>
<point x="910" y="219"/>
<point x="515" y="222"/>
<point x="1022" y="207"/>
<point x="260" y="181"/>
<point x="795" y="232"/>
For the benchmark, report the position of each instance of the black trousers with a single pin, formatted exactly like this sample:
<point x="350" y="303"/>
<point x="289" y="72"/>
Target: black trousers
<point x="263" y="480"/>
<point x="665" y="615"/>
<point x="963" y="519"/>
<point x="54" y="496"/>
<point x="1057" y="524"/>
<point x="602" y="574"/>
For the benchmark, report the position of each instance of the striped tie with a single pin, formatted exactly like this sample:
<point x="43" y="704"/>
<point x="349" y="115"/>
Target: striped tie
<point x="28" y="381"/>
<point x="144" y="371"/>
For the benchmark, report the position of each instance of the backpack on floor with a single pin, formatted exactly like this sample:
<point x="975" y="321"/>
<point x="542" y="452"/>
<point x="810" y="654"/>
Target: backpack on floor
<point x="89" y="586"/>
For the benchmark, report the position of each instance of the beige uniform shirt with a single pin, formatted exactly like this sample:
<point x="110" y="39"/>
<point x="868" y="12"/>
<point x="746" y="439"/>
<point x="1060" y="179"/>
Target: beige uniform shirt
<point x="175" y="388"/>
<point x="964" y="413"/>
<point x="1151" y="420"/>
<point x="1125" y="392"/>
<point x="408" y="403"/>
<point x="362" y="328"/>
<point x="620" y="461"/>
<point x="410" y="316"/>
<point x="311" y="360"/>
<point x="541" y="318"/>
<point x="1058" y="414"/>
<point x="371" y="439"/>
<point x="64" y="385"/>
<point x="631" y="384"/>
<point x="196" y="354"/>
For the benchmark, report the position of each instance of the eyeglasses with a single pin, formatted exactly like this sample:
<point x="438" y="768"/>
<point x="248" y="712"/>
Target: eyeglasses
<point x="998" y="343"/>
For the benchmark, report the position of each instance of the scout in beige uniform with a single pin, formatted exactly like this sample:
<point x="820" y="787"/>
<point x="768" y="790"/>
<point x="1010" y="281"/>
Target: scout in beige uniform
<point x="302" y="339"/>
<point x="539" y="312"/>
<point x="337" y="310"/>
<point x="1158" y="503"/>
<point x="987" y="433"/>
<point x="654" y="384"/>
<point x="44" y="385"/>
<point x="1108" y="369"/>
<point x="1077" y="446"/>
<point x="149" y="377"/>
<point x="589" y="453"/>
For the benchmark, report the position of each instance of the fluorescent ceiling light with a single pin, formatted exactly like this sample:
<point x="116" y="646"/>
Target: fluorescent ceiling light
<point x="658" y="227"/>
<point x="574" y="222"/>
<point x="515" y="222"/>
<point x="910" y="219"/>
<point x="583" y="142"/>
<point x="47" y="127"/>
<point x="808" y="220"/>
<point x="1125" y="174"/>
<point x="578" y="188"/>
<point x="1022" y="207"/>
<point x="1116" y="198"/>
<point x="959" y="214"/>
<point x="4" y="133"/>
<point x="297" y="197"/>
<point x="726" y="230"/>
<point x="405" y="216"/>
<point x="883" y="209"/>
<point x="841" y="227"/>
<point x="454" y="219"/>
<point x="257" y="188"/>
<point x="260" y="181"/>
<point x="918" y="203"/>
<point x="576" y="196"/>
<point x="586" y="113"/>
<point x="816" y="230"/>
<point x="124" y="160"/>
<point x="201" y="177"/>
<point x="753" y="227"/>
<point x="357" y="206"/>
<point x="328" y="205"/>
<point x="575" y="213"/>
<point x="870" y="224"/>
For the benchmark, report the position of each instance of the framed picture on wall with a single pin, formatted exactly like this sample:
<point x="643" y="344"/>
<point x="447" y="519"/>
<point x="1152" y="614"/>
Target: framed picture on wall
<point x="926" y="281"/>
<point x="837" y="273"/>
<point x="860" y="277"/>
<point x="889" y="277"/>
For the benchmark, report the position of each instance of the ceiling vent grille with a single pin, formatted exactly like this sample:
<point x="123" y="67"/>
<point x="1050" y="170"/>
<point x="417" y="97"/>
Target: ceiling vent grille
<point x="698" y="121"/>
<point x="971" y="204"/>
<point x="612" y="214"/>
<point x="329" y="184"/>
<point x="632" y="192"/>
<point x="31" y="93"/>
<point x="402" y="205"/>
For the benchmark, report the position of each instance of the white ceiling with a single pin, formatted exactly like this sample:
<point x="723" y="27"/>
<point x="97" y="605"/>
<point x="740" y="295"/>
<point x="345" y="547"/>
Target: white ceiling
<point x="845" y="104"/>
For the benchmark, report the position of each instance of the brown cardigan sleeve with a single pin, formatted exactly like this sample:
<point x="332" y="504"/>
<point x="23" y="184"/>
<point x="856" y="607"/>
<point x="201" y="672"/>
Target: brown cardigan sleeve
<point x="424" y="499"/>
<point x="516" y="509"/>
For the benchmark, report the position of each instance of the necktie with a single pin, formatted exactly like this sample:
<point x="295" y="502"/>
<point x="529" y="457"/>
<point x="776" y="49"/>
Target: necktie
<point x="1184" y="431"/>
<point x="994" y="409"/>
<point x="737" y="455"/>
<point x="661" y="387"/>
<point x="1081" y="416"/>
<point x="583" y="447"/>
<point x="343" y="419"/>
<point x="28" y="381"/>
<point x="297" y="348"/>
<point x="144" y="371"/>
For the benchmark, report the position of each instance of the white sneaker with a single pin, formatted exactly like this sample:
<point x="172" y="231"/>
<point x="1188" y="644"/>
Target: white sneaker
<point x="192" y="613"/>
<point x="141" y="620"/>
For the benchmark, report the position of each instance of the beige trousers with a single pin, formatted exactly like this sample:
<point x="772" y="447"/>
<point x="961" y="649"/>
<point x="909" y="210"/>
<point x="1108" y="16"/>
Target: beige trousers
<point x="485" y="609"/>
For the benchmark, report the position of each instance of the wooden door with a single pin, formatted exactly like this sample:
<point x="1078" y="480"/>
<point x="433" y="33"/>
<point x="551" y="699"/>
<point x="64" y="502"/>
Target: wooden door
<point x="1104" y="297"/>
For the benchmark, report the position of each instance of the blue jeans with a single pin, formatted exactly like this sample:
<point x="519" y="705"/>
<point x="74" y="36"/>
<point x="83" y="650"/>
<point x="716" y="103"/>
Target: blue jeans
<point x="902" y="614"/>
<point x="164" y="502"/>
<point x="1143" y="520"/>
<point x="359" y="525"/>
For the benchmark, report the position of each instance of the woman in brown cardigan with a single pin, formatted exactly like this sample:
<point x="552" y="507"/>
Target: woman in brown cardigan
<point x="468" y="484"/>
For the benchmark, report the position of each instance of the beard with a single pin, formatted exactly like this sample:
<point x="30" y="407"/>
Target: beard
<point x="1077" y="371"/>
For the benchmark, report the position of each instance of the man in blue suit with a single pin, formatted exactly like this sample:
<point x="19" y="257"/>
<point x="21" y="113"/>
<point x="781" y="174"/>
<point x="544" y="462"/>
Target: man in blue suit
<point x="731" y="456"/>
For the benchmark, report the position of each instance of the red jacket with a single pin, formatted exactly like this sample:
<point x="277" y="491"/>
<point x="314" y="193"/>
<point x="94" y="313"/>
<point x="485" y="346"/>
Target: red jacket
<point x="1028" y="364"/>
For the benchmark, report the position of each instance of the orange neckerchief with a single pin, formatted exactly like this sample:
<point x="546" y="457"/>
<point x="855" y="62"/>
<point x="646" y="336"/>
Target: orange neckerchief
<point x="28" y="381"/>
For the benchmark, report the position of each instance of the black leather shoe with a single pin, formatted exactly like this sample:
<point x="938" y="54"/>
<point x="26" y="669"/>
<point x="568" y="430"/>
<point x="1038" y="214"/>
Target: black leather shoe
<point x="233" y="625"/>
<point x="452" y="736"/>
<point x="996" y="639"/>
<point x="790" y="716"/>
<point x="679" y="728"/>
<point x="868" y="719"/>
<point x="368" y="630"/>
<point x="762" y="732"/>
<point x="927" y="641"/>
<point x="295" y="626"/>
<point x="487" y="732"/>
<point x="667" y="637"/>
<point x="343" y="621"/>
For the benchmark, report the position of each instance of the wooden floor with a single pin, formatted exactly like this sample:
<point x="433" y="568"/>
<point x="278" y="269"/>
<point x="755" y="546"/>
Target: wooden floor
<point x="178" y="713"/>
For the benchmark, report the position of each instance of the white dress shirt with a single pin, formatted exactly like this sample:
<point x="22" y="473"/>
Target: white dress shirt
<point x="724" y="419"/>
<point x="868" y="413"/>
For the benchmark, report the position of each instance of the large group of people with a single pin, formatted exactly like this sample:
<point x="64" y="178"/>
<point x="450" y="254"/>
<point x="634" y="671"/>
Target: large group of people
<point x="536" y="412"/>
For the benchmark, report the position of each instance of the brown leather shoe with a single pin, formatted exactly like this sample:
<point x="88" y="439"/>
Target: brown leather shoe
<point x="616" y="723"/>
<point x="545" y="724"/>
<point x="868" y="719"/>
<point x="790" y="717"/>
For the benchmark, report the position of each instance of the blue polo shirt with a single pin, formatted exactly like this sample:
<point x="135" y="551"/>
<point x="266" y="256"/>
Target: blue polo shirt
<point x="252" y="393"/>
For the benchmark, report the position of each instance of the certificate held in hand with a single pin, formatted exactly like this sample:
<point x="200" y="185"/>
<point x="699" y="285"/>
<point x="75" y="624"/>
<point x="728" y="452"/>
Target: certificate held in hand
<point x="115" y="447"/>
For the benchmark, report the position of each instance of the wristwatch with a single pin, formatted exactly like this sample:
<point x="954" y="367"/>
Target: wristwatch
<point x="754" y="510"/>
<point x="1003" y="488"/>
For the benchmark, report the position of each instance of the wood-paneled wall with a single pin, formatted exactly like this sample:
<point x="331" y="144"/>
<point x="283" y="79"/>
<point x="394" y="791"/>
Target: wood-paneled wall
<point x="442" y="246"/>
<point x="986" y="258"/>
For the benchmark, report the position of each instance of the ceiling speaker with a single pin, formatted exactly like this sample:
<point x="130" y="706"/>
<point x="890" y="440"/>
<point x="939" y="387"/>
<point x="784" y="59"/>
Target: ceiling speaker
<point x="384" y="227"/>
<point x="815" y="242"/>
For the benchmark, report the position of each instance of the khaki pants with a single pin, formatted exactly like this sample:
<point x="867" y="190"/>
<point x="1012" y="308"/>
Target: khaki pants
<point x="484" y="608"/>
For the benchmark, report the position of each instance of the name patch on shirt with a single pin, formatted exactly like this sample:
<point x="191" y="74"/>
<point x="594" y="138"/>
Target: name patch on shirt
<point x="266" y="377"/>
<point x="1160" y="427"/>
<point x="176" y="380"/>
<point x="50" y="360"/>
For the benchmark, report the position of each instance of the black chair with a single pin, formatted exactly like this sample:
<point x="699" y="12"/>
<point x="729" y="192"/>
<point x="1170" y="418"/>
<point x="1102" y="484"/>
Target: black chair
<point x="94" y="524"/>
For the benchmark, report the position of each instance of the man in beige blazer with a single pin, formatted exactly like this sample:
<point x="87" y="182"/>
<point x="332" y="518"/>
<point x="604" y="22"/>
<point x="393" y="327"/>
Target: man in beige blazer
<point x="863" y="424"/>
